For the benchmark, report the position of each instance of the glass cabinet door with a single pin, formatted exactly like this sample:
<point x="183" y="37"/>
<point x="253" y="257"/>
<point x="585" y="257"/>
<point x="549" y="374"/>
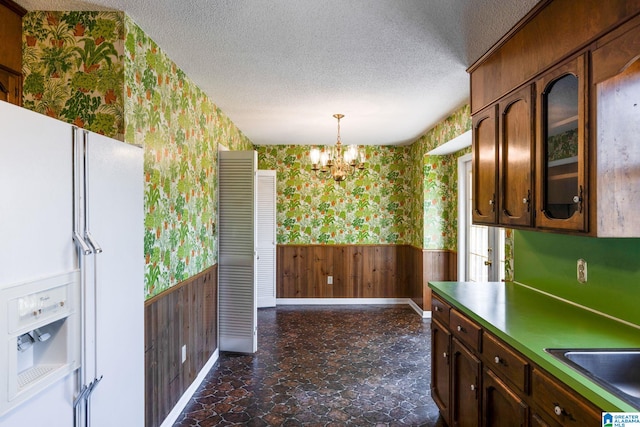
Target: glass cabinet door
<point x="561" y="197"/>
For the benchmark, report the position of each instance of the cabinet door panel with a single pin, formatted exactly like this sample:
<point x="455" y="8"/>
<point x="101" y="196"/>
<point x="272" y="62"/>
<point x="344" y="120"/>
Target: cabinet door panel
<point x="501" y="406"/>
<point x="516" y="158"/>
<point x="562" y="194"/>
<point x="485" y="167"/>
<point x="465" y="378"/>
<point x="10" y="87"/>
<point x="440" y="368"/>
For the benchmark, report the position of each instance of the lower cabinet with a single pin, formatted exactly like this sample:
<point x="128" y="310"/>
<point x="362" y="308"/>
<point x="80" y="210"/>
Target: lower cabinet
<point x="440" y="356"/>
<point x="466" y="370"/>
<point x="479" y="380"/>
<point x="501" y="405"/>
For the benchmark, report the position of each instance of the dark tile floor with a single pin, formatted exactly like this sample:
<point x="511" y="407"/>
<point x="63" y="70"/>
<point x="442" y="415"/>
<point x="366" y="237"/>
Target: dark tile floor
<point x="323" y="366"/>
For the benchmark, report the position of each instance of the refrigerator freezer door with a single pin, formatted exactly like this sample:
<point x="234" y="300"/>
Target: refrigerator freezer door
<point x="36" y="226"/>
<point x="35" y="183"/>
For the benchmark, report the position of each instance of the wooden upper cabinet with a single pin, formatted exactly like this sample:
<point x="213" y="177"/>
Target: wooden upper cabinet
<point x="614" y="114"/>
<point x="11" y="51"/>
<point x="562" y="193"/>
<point x="485" y="167"/>
<point x="503" y="153"/>
<point x="551" y="32"/>
<point x="516" y="159"/>
<point x="11" y="35"/>
<point x="560" y="92"/>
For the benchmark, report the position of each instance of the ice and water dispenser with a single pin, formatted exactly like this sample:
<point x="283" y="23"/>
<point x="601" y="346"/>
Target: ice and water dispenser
<point x="40" y="334"/>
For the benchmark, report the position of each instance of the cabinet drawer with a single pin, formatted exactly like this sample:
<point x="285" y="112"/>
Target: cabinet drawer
<point x="465" y="330"/>
<point x="505" y="362"/>
<point x="440" y="310"/>
<point x="554" y="400"/>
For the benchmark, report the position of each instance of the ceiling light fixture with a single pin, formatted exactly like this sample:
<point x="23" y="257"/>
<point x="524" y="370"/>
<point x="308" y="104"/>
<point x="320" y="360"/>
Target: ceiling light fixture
<point x="333" y="163"/>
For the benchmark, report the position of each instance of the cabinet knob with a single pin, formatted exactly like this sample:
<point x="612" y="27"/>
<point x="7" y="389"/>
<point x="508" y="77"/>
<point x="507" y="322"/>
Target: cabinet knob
<point x="497" y="359"/>
<point x="558" y="410"/>
<point x="576" y="199"/>
<point x="525" y="200"/>
<point x="488" y="263"/>
<point x="491" y="202"/>
<point x="436" y="308"/>
<point x="473" y="387"/>
<point x="445" y="355"/>
<point x="460" y="328"/>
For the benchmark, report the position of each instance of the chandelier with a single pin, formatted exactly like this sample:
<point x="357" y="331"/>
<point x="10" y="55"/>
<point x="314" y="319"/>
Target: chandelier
<point x="337" y="163"/>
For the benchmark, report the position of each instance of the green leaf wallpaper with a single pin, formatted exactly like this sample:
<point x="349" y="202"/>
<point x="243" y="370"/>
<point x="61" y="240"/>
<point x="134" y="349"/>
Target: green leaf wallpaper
<point x="434" y="202"/>
<point x="73" y="68"/>
<point x="180" y="129"/>
<point x="368" y="208"/>
<point x="441" y="201"/>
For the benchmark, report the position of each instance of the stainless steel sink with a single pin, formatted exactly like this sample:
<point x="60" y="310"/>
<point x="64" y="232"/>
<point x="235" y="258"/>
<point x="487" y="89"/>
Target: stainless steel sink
<point x="617" y="370"/>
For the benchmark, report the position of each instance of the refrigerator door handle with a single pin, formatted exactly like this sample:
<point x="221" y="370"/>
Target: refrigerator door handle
<point x="85" y="159"/>
<point x="79" y="407"/>
<point x="81" y="244"/>
<point x="87" y="397"/>
<point x="96" y="247"/>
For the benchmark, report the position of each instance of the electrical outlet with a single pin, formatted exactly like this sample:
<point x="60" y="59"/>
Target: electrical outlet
<point x="329" y="280"/>
<point x="184" y="353"/>
<point x="582" y="271"/>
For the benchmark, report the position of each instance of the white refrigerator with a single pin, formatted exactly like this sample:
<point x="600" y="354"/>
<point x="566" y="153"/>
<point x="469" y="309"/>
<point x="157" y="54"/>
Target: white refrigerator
<point x="71" y="275"/>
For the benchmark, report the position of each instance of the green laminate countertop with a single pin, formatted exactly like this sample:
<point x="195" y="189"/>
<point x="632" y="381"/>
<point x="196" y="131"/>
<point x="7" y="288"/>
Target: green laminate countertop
<point x="531" y="321"/>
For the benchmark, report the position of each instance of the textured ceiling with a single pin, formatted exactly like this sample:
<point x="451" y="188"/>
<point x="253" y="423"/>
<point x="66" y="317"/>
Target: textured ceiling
<point x="281" y="68"/>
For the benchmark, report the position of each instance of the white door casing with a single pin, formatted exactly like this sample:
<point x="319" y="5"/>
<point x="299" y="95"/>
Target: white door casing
<point x="480" y="248"/>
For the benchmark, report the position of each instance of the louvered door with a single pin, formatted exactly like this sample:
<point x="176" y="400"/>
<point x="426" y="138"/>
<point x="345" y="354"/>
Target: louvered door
<point x="236" y="256"/>
<point x="266" y="237"/>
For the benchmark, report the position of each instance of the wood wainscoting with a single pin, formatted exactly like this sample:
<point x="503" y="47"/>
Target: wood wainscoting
<point x="430" y="265"/>
<point x="361" y="271"/>
<point x="185" y="314"/>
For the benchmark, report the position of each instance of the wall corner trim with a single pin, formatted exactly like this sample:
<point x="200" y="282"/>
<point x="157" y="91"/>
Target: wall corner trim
<point x="170" y="420"/>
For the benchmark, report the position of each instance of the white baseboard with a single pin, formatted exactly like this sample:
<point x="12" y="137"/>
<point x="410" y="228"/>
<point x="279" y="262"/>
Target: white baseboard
<point x="354" y="301"/>
<point x="341" y="301"/>
<point x="424" y="314"/>
<point x="186" y="396"/>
